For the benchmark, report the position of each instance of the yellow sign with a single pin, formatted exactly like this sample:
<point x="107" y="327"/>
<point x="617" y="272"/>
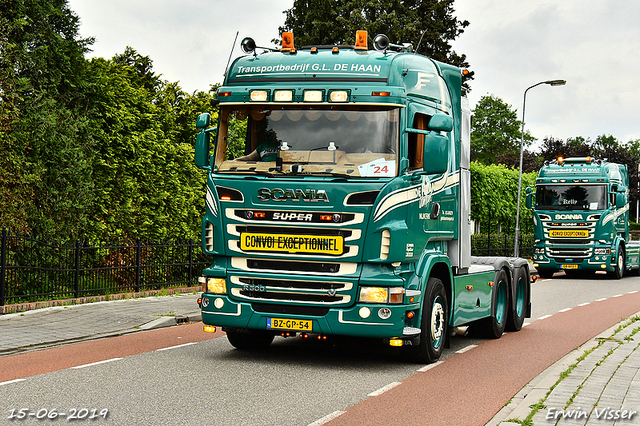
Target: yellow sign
<point x="292" y="243"/>
<point x="569" y="233"/>
<point x="289" y="324"/>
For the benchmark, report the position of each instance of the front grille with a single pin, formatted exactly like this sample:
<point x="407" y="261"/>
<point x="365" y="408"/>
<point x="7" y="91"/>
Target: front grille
<point x="290" y="310"/>
<point x="290" y="284"/>
<point x="569" y="252"/>
<point x="320" y="292"/>
<point x="294" y="266"/>
<point x="573" y="248"/>
<point x="292" y="297"/>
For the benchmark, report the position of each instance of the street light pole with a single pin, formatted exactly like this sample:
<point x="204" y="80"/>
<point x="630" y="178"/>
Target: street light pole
<point x="516" y="252"/>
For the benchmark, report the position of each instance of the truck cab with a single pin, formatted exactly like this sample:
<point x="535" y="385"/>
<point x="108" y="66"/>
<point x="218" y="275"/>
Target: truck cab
<point x="347" y="210"/>
<point x="581" y="218"/>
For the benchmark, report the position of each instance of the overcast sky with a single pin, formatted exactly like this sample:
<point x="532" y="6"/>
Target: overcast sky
<point x="510" y="44"/>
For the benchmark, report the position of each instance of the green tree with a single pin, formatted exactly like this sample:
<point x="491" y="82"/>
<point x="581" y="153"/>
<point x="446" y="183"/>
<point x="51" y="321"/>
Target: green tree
<point x="494" y="189"/>
<point x="45" y="178"/>
<point x="428" y="24"/>
<point x="495" y="130"/>
<point x="149" y="185"/>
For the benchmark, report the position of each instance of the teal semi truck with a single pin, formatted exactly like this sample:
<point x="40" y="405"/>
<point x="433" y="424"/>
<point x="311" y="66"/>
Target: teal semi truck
<point x="581" y="218"/>
<point x="347" y="212"/>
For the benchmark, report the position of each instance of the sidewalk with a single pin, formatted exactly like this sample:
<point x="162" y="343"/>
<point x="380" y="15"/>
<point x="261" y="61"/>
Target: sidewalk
<point x="596" y="384"/>
<point x="44" y="328"/>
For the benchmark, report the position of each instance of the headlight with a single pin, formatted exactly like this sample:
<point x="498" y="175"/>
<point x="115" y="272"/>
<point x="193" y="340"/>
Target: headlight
<point x="381" y="294"/>
<point x="538" y="250"/>
<point x="601" y="251"/>
<point x="216" y="285"/>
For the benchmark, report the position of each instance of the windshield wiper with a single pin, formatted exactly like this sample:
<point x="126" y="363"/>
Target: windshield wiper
<point x="249" y="170"/>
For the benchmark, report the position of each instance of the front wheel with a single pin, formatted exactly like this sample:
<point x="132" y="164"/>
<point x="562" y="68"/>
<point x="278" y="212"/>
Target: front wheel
<point x="618" y="271"/>
<point x="434" y="324"/>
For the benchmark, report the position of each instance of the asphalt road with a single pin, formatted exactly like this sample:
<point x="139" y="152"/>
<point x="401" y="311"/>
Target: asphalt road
<point x="184" y="376"/>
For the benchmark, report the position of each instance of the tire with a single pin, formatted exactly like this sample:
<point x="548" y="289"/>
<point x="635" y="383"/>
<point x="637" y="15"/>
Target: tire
<point x="493" y="327"/>
<point x="546" y="273"/>
<point x="434" y="324"/>
<point x="250" y="340"/>
<point x="618" y="272"/>
<point x="520" y="299"/>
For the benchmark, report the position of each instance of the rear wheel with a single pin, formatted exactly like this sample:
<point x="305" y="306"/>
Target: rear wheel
<point x="434" y="325"/>
<point x="494" y="326"/>
<point x="250" y="340"/>
<point x="518" y="309"/>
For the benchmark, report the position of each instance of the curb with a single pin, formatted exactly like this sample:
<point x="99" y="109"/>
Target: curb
<point x="538" y="389"/>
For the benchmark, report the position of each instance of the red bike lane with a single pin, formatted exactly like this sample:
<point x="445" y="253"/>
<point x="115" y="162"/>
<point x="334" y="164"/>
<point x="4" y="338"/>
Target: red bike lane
<point x="471" y="387"/>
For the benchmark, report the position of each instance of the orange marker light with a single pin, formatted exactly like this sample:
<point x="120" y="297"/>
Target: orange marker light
<point x="361" y="40"/>
<point x="287" y="42"/>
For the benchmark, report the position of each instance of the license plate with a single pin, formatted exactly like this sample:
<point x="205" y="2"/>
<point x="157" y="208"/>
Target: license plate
<point x="289" y="324"/>
<point x="569" y="266"/>
<point x="569" y="233"/>
<point x="333" y="244"/>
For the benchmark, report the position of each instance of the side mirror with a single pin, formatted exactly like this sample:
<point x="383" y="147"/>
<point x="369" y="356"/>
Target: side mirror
<point x="441" y="123"/>
<point x="203" y="121"/>
<point x="529" y="198"/>
<point x="203" y="141"/>
<point x="436" y="153"/>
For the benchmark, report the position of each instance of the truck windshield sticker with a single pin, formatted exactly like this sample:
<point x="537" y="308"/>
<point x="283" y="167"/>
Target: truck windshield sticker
<point x="378" y="168"/>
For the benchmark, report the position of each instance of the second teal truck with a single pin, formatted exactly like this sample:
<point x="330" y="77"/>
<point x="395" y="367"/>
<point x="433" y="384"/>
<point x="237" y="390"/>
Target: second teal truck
<point x="581" y="218"/>
<point x="348" y="211"/>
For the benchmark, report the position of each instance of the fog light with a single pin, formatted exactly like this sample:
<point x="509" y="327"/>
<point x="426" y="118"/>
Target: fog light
<point x="384" y="313"/>
<point x="364" y="312"/>
<point x="218" y="303"/>
<point x="205" y="302"/>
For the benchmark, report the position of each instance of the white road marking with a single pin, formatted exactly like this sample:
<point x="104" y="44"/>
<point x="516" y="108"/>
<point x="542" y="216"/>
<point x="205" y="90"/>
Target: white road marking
<point x="430" y="366"/>
<point x="584" y="304"/>
<point x="96" y="363"/>
<point x="463" y="350"/>
<point x="327" y="418"/>
<point x="384" y="389"/>
<point x="12" y="381"/>
<point x="177" y="346"/>
<point x="544" y="317"/>
<point x="565" y="310"/>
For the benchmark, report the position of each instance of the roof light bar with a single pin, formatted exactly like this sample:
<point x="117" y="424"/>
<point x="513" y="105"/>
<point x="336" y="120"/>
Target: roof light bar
<point x="259" y="96"/>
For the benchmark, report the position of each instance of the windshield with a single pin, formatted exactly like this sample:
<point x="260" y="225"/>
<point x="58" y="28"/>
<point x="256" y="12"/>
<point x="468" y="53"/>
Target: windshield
<point x="321" y="141"/>
<point x="571" y="197"/>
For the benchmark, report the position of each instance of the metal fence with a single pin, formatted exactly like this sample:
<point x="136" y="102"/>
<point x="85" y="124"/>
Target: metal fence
<point x="34" y="270"/>
<point x="501" y="245"/>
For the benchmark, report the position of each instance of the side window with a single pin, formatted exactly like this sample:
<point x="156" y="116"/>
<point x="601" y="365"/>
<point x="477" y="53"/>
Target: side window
<point x="416" y="141"/>
<point x="236" y="136"/>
